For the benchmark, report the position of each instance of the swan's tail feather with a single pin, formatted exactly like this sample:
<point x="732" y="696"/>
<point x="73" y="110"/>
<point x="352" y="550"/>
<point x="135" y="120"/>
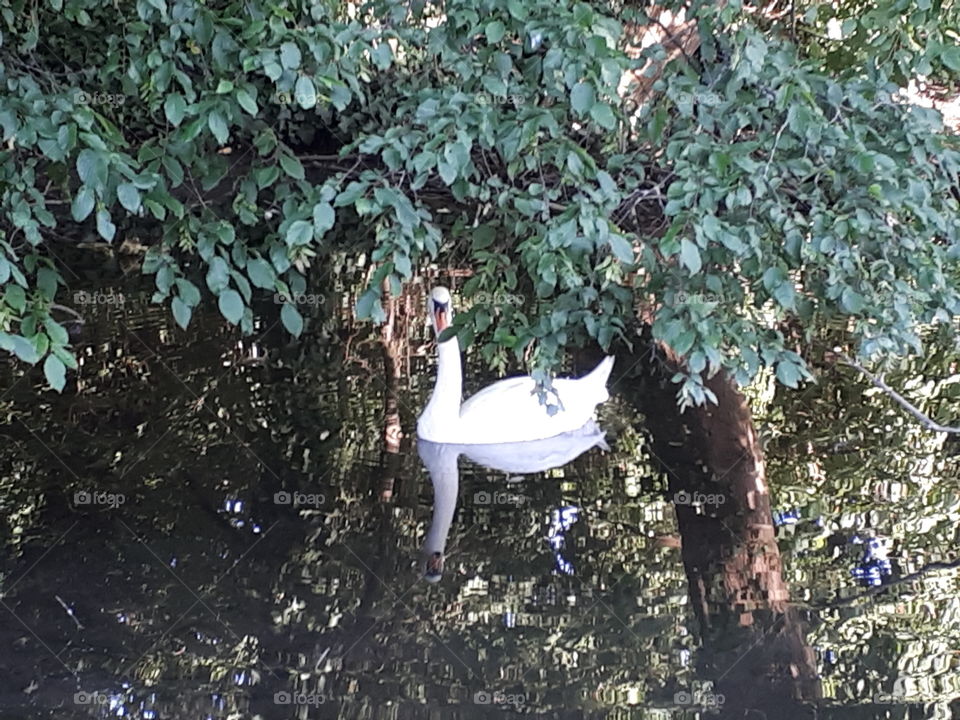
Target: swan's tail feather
<point x="597" y="378"/>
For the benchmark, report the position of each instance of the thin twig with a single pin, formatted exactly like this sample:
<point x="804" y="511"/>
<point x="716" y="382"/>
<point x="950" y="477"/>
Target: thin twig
<point x="76" y="316"/>
<point x="69" y="612"/>
<point x="773" y="151"/>
<point x="930" y="567"/>
<point x="925" y="420"/>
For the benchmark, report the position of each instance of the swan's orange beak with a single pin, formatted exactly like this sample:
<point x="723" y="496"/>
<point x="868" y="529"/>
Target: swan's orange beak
<point x="440" y="320"/>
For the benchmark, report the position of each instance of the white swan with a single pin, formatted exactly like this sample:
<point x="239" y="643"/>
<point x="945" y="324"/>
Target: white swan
<point x="507" y="411"/>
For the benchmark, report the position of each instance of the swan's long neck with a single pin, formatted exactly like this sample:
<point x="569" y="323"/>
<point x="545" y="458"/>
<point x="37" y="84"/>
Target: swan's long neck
<point x="444" y="405"/>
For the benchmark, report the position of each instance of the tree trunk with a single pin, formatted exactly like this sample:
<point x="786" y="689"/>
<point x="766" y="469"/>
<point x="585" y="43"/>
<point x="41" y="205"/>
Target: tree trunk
<point x="754" y="647"/>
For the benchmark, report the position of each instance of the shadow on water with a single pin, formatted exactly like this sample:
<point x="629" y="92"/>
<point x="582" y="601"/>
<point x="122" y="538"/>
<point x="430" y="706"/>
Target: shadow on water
<point x="208" y="527"/>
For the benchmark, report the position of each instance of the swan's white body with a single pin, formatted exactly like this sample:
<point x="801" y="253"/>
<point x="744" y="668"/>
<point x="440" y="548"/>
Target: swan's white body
<point x="507" y="411"/>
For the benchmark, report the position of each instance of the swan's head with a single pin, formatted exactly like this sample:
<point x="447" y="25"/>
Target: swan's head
<point x="432" y="567"/>
<point x="440" y="309"/>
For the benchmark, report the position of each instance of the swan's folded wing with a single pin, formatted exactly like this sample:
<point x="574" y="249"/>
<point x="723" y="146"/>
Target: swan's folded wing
<point x="503" y="395"/>
<point x="514" y="397"/>
<point x="510" y="410"/>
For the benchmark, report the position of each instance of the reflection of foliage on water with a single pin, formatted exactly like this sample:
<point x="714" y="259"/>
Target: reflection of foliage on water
<point x="853" y="464"/>
<point x="320" y="598"/>
<point x="325" y="600"/>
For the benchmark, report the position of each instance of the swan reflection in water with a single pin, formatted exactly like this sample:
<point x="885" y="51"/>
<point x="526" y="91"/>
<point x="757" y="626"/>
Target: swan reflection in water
<point x="441" y="461"/>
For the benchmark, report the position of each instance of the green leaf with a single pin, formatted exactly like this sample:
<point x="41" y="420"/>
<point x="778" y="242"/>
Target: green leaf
<point x="292" y="167"/>
<point x="181" y="312"/>
<point x="448" y="172"/>
<point x="56" y="372"/>
<point x="306" y="93"/>
<point x="603" y="115"/>
<point x="402" y="264"/>
<point x="851" y="300"/>
<point x="188" y="292"/>
<point x="245" y="100"/>
<point x="174" y="170"/>
<point x="582" y="98"/>
<point x="15" y="297"/>
<point x="382" y="55"/>
<point x="785" y="294"/>
<point x="47" y="281"/>
<point x="82" y="204"/>
<point x="266" y="176"/>
<point x="261" y="273"/>
<point x="92" y="168"/>
<point x="56" y="332"/>
<point x="621" y="248"/>
<point x="218" y="275"/>
<point x="690" y="256"/>
<point x="368" y="305"/>
<point x="495" y="31"/>
<point x="278" y="256"/>
<point x="155" y="208"/>
<point x="300" y="232"/>
<point x="231" y="306"/>
<point x="218" y="126"/>
<point x="517" y="9"/>
<point x="788" y="373"/>
<point x="292" y="319"/>
<point x="607" y="184"/>
<point x="483" y="236"/>
<point x="24" y="349"/>
<point x="225" y="232"/>
<point x="324" y="217"/>
<point x="105" y="226"/>
<point x="129" y="196"/>
<point x="175" y="107"/>
<point x="710" y="226"/>
<point x="66" y="357"/>
<point x="290" y="56"/>
<point x="950" y="56"/>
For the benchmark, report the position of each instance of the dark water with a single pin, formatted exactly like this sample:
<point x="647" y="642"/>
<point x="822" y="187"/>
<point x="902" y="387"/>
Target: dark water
<point x="153" y="566"/>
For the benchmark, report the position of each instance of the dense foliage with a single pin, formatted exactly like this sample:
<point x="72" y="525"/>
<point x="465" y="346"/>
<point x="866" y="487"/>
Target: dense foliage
<point x="250" y="145"/>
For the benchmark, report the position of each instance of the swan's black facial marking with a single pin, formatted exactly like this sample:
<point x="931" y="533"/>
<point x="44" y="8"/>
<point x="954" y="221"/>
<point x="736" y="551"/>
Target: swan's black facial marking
<point x="441" y="315"/>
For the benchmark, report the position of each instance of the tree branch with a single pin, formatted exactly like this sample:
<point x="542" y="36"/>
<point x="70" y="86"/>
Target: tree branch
<point x="925" y="420"/>
<point x="929" y="567"/>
